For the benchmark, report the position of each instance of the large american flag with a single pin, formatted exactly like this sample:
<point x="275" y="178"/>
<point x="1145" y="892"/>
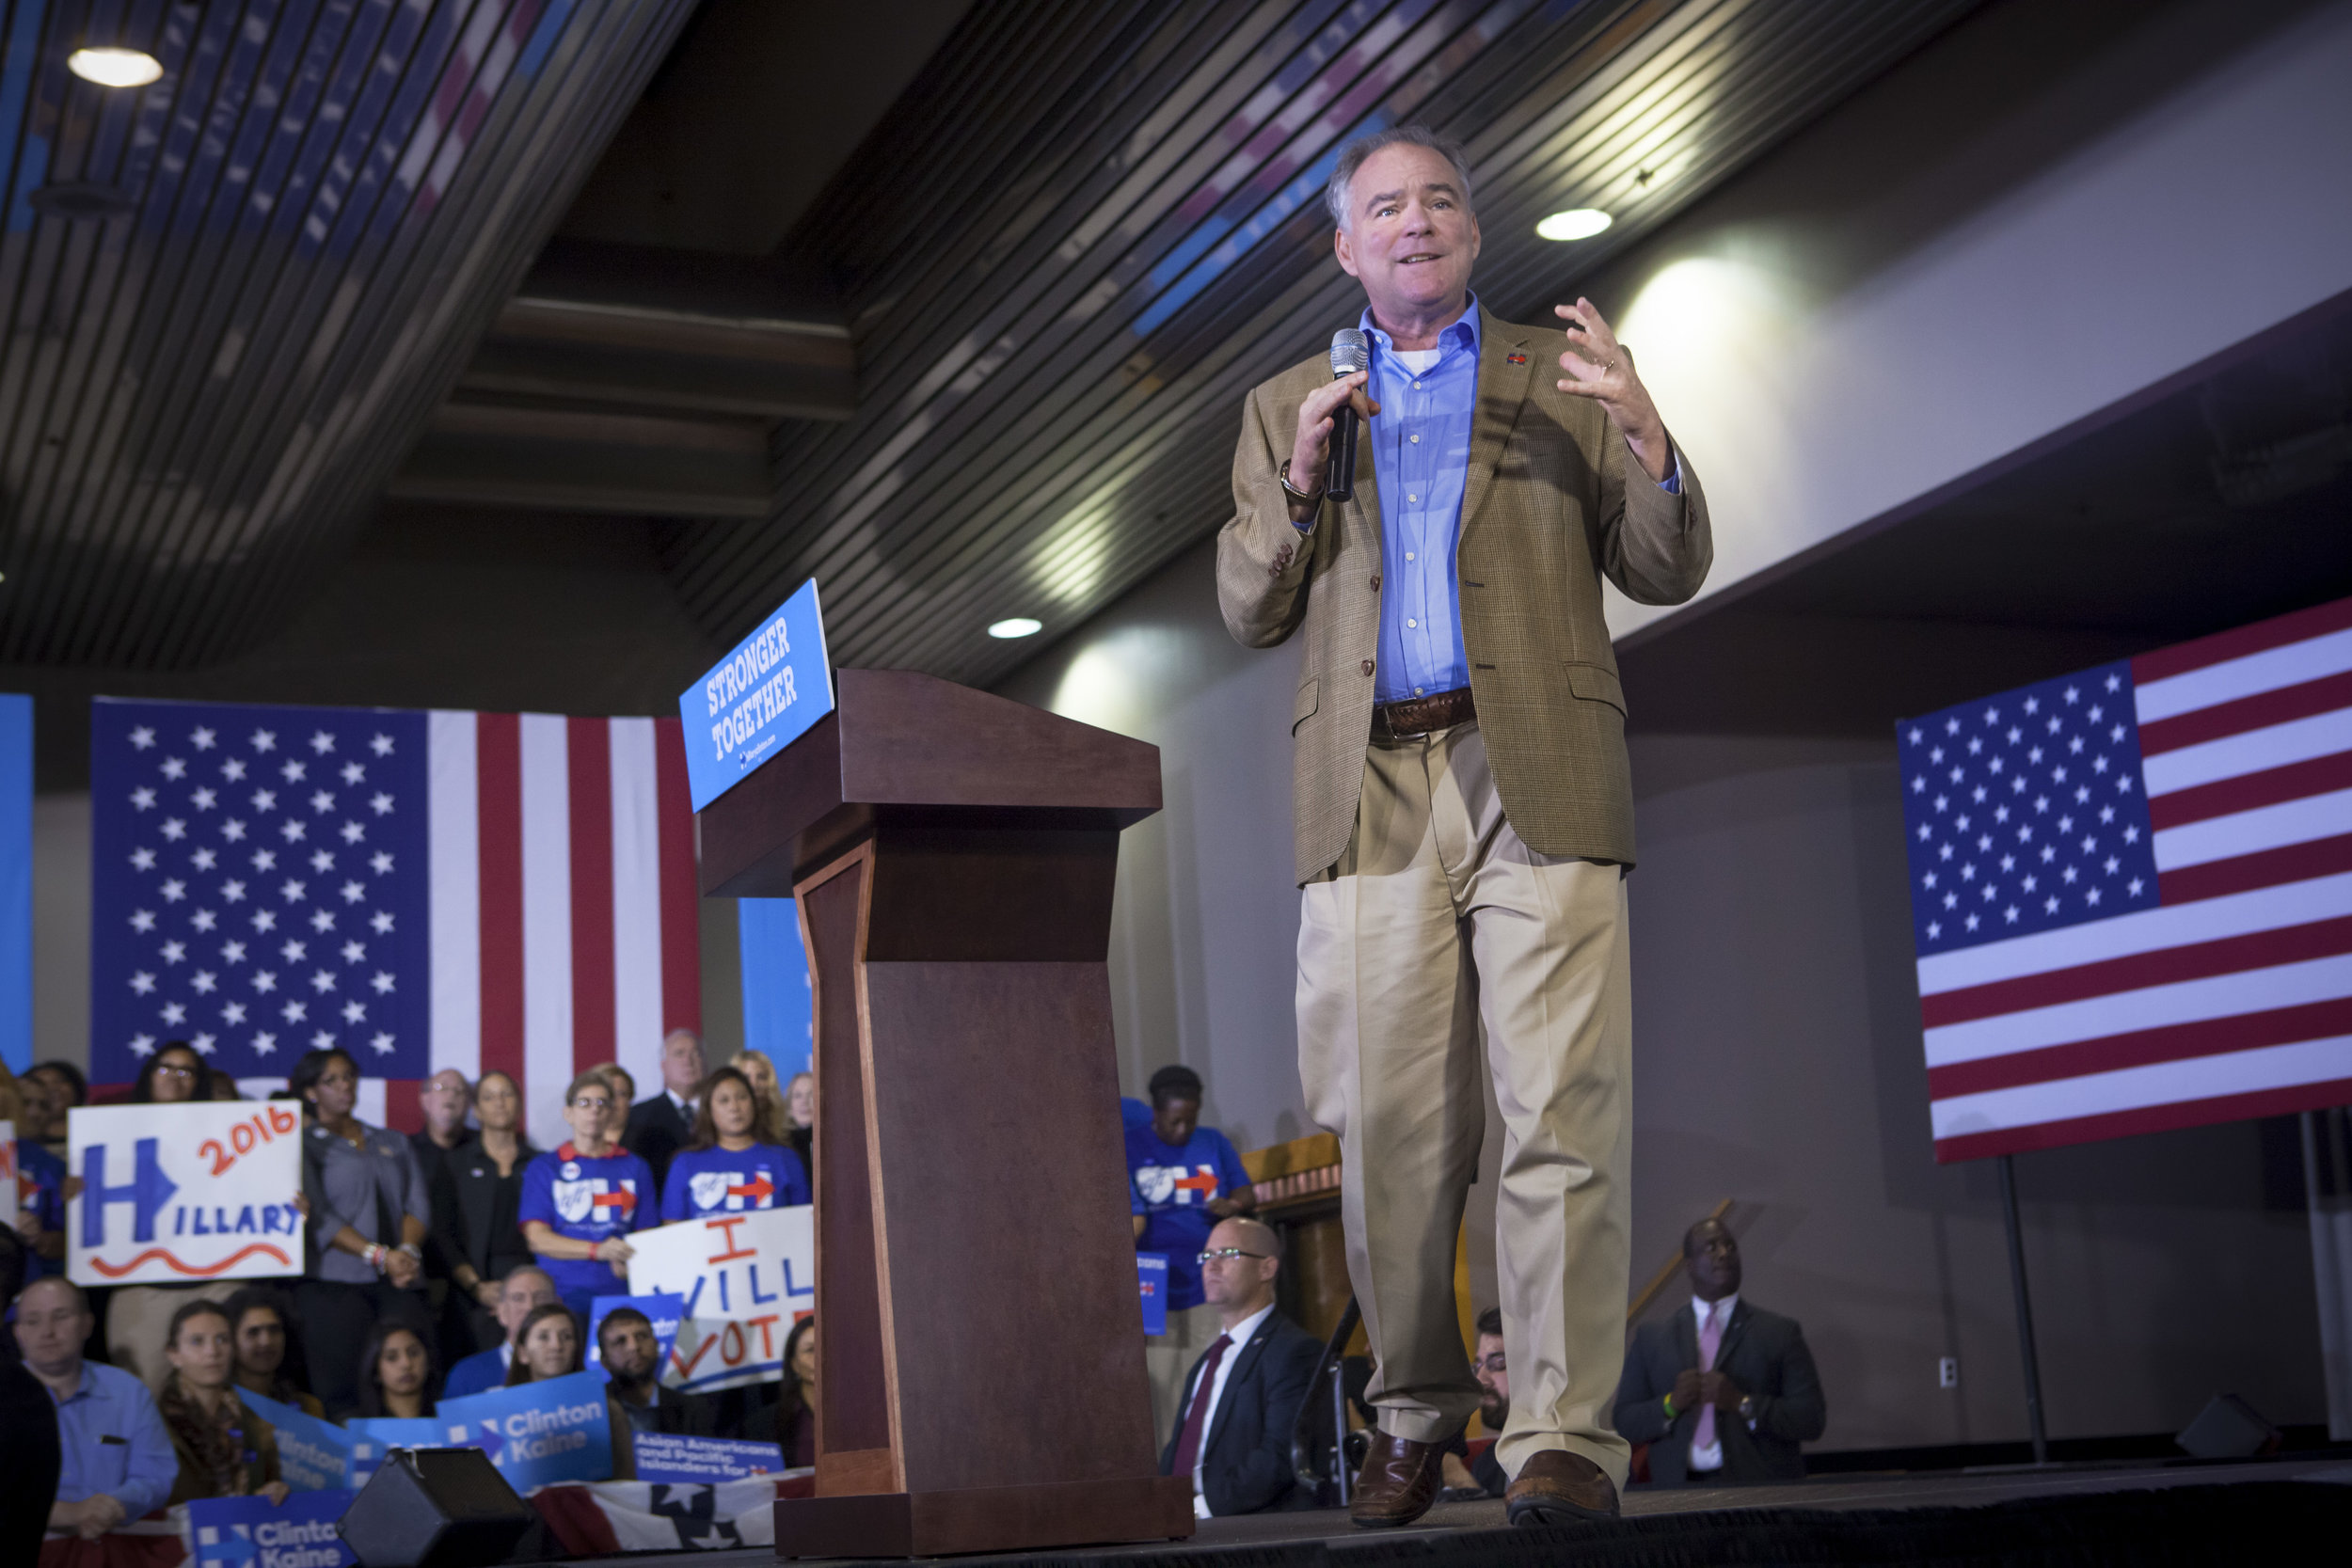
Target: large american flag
<point x="2131" y="891"/>
<point x="425" y="889"/>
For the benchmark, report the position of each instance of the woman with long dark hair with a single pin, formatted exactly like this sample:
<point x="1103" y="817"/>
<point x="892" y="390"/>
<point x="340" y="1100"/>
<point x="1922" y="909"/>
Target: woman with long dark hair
<point x="262" y="1321"/>
<point x="790" y="1423"/>
<point x="396" y="1374"/>
<point x="725" y="1167"/>
<point x="224" y="1450"/>
<point x="138" y="1317"/>
<point x="548" y="1345"/>
<point x="369" y="1212"/>
<point x="480" y="1202"/>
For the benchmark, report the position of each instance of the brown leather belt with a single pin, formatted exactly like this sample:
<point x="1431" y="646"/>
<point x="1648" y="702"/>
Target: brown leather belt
<point x="1439" y="710"/>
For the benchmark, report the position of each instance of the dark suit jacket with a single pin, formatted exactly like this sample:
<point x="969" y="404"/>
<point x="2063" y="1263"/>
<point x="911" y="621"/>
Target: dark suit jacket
<point x="1246" y="1455"/>
<point x="463" y="1189"/>
<point x="657" y="1130"/>
<point x="674" y="1413"/>
<point x="1765" y="1354"/>
<point x="431" y="1158"/>
<point x="29" y="1457"/>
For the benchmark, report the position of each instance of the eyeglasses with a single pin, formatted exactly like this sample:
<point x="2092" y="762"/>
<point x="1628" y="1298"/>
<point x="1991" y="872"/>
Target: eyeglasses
<point x="173" y="1069"/>
<point x="1211" y="1256"/>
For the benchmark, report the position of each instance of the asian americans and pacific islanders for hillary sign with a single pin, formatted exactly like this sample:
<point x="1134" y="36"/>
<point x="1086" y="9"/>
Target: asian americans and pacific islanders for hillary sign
<point x="758" y="699"/>
<point x="180" y="1194"/>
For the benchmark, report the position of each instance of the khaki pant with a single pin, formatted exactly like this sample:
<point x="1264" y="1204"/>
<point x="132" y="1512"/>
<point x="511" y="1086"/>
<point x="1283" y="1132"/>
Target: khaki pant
<point x="1168" y="1357"/>
<point x="1439" y="924"/>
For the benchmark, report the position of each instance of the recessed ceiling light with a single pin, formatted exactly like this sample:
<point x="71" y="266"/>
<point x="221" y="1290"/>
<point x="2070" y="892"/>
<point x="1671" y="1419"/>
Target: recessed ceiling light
<point x="115" y="68"/>
<point x="1582" y="224"/>
<point x="1017" y="626"/>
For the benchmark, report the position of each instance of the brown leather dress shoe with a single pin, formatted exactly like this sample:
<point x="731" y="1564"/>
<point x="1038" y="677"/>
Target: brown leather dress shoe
<point x="1398" y="1482"/>
<point x="1556" y="1487"/>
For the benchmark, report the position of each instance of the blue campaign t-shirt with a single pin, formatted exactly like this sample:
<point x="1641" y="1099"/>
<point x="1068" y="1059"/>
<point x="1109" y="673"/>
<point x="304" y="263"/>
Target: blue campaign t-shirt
<point x="1172" y="1188"/>
<point x="705" y="1181"/>
<point x="40" y="1187"/>
<point x="588" y="1201"/>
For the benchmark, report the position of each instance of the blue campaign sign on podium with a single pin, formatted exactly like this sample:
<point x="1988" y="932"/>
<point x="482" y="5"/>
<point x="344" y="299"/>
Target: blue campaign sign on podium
<point x="757" y="699"/>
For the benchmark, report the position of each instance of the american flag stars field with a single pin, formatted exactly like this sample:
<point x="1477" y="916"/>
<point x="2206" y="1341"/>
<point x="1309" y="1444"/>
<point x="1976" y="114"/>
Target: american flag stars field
<point x="260" y="887"/>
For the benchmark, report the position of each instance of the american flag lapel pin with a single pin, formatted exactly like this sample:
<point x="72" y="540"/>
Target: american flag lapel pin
<point x="1514" y="358"/>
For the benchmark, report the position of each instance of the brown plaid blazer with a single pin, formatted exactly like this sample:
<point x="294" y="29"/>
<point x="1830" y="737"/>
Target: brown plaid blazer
<point x="1546" y="511"/>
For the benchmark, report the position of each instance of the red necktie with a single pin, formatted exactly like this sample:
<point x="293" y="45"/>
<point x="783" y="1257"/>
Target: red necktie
<point x="1197" y="1418"/>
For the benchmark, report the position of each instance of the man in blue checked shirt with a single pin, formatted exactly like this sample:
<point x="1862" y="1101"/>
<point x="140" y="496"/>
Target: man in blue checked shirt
<point x="1463" y="808"/>
<point x="118" y="1462"/>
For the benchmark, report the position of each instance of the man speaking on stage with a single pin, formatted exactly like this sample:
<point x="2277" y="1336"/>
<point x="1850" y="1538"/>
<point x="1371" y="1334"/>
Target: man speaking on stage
<point x="1464" y="810"/>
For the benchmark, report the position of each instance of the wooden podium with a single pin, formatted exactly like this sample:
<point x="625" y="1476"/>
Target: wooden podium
<point x="981" y="1382"/>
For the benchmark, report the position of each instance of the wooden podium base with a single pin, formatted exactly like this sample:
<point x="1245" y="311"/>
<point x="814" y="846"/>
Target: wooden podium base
<point x="986" y="1519"/>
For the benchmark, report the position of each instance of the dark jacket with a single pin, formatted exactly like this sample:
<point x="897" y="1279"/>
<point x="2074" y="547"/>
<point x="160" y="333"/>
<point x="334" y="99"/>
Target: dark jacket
<point x="673" y="1412"/>
<point x="1245" y="1454"/>
<point x="1765" y="1354"/>
<point x="657" y="1130"/>
<point x="464" y="1200"/>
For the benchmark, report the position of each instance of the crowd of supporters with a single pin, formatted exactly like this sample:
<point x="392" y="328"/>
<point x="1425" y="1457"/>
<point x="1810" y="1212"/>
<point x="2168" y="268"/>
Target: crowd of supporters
<point x="454" y="1259"/>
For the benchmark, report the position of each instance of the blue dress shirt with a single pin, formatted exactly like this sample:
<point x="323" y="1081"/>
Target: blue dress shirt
<point x="113" y="1440"/>
<point x="1420" y="443"/>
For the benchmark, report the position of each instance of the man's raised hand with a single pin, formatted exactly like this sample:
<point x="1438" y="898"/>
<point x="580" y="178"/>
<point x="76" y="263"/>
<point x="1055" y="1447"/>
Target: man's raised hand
<point x="1600" y="368"/>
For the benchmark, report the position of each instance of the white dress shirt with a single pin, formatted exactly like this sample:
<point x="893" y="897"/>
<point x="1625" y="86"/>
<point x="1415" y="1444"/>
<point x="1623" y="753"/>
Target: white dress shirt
<point x="1240" y="1335"/>
<point x="1711" y="1456"/>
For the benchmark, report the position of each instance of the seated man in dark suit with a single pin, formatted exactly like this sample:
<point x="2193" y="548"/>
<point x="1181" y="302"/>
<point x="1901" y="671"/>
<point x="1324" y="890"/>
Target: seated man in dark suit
<point x="1241" y="1397"/>
<point x="1724" y="1392"/>
<point x="660" y="1126"/>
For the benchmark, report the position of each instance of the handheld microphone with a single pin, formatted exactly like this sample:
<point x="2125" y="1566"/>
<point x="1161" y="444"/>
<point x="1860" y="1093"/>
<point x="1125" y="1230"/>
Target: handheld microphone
<point x="1350" y="351"/>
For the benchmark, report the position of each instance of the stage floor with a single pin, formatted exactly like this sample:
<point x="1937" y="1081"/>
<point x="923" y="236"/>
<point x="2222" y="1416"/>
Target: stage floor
<point x="1458" y="1530"/>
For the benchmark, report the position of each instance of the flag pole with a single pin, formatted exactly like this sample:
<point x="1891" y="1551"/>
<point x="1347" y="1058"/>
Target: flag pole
<point x="2024" y="1311"/>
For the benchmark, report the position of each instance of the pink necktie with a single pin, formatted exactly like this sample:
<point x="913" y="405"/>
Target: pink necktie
<point x="1710" y="1340"/>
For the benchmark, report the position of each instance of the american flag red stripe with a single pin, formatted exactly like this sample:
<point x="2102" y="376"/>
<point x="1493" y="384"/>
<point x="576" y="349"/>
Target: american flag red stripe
<point x="565" y="904"/>
<point x="2230" y="998"/>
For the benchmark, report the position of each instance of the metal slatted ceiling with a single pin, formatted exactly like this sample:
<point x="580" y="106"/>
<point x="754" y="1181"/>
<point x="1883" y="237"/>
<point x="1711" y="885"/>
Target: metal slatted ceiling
<point x="1089" y="229"/>
<point x="201" y="399"/>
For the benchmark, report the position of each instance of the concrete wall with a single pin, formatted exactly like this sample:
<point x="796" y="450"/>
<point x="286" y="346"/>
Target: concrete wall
<point x="2054" y="206"/>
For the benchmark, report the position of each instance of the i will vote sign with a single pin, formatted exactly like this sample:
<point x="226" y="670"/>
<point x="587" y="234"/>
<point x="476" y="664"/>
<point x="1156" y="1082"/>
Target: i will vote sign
<point x="254" y="1532"/>
<point x="744" y="1279"/>
<point x="538" y="1433"/>
<point x="171" y="1194"/>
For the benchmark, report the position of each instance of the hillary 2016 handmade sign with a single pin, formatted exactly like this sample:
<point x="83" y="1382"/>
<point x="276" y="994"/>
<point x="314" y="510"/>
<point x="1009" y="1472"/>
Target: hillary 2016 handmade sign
<point x="254" y="1532"/>
<point x="744" y="1279"/>
<point x="680" y="1459"/>
<point x="758" y="699"/>
<point x="178" y="1193"/>
<point x="537" y="1433"/>
<point x="662" y="1311"/>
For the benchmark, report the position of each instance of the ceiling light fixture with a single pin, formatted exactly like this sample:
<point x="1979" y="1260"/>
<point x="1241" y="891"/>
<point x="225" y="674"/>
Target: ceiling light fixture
<point x="1017" y="626"/>
<point x="1580" y="224"/>
<point x="115" y="68"/>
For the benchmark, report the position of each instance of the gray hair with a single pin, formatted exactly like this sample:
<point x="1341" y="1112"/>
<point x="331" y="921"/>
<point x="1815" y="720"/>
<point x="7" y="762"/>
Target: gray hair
<point x="1353" y="156"/>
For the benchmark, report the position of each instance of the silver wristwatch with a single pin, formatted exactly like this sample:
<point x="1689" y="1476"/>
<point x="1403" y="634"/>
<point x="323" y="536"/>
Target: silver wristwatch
<point x="1294" y="491"/>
